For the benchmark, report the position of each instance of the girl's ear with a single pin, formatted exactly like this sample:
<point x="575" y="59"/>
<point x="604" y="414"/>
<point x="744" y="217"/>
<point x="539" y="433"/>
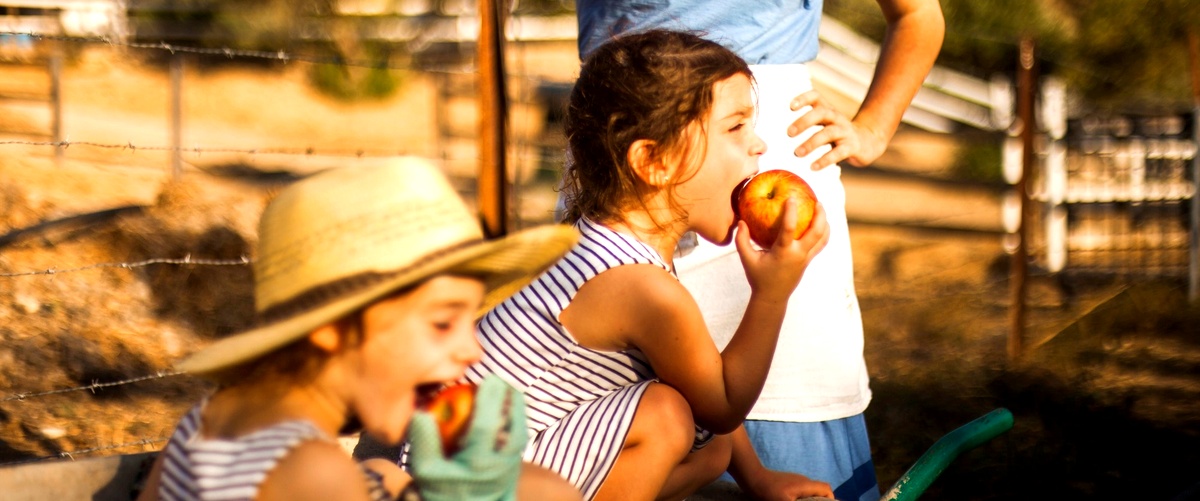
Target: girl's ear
<point x="646" y="165"/>
<point x="326" y="337"/>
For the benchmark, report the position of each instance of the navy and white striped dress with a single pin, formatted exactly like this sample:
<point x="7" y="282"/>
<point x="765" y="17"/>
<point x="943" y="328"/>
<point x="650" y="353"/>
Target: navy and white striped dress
<point x="579" y="402"/>
<point x="198" y="469"/>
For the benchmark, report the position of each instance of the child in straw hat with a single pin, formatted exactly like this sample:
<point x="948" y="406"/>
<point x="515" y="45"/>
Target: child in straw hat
<point x="624" y="386"/>
<point x="368" y="282"/>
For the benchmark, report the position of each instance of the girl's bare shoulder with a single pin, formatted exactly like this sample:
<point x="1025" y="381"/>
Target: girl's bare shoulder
<point x="315" y="469"/>
<point x="636" y="286"/>
<point x="618" y="307"/>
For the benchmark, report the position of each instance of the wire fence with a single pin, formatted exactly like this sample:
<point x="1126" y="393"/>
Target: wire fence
<point x="281" y="56"/>
<point x="453" y="82"/>
<point x="452" y="71"/>
<point x="91" y="387"/>
<point x="538" y="155"/>
<point x="71" y="455"/>
<point x="186" y="260"/>
<point x="96" y="386"/>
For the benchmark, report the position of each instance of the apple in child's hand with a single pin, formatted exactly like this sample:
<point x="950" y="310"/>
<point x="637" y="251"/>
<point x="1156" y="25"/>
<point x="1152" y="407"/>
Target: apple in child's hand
<point x="451" y="409"/>
<point x="759" y="201"/>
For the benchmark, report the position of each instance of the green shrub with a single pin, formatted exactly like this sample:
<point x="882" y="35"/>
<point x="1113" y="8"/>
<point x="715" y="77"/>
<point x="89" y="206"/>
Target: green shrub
<point x="352" y="84"/>
<point x="979" y="161"/>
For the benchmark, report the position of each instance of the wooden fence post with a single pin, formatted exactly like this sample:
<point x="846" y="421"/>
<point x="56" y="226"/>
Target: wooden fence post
<point x="1026" y="87"/>
<point x="493" y="177"/>
<point x="1194" y="233"/>
<point x="176" y="72"/>
<point x="56" y="128"/>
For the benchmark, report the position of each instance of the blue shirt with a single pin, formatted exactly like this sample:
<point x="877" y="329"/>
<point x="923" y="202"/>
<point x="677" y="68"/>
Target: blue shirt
<point x="760" y="31"/>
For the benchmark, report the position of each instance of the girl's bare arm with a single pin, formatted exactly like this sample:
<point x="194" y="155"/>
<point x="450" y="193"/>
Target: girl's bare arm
<point x="644" y="307"/>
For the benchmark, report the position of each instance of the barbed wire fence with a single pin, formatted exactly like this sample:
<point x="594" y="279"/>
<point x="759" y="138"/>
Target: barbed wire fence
<point x="186" y="260"/>
<point x="96" y="386"/>
<point x="525" y="150"/>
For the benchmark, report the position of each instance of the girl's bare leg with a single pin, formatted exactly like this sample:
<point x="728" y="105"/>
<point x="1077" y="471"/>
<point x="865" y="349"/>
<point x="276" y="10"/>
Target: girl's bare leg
<point x="540" y="484"/>
<point x="699" y="469"/>
<point x="659" y="440"/>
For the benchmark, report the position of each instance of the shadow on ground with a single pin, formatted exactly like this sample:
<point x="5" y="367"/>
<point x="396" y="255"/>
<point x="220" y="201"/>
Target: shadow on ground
<point x="1105" y="409"/>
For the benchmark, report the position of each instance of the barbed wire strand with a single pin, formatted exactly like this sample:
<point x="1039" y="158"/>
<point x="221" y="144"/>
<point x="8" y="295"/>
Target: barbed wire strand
<point x="307" y="151"/>
<point x="83" y="452"/>
<point x="298" y="151"/>
<point x="186" y="260"/>
<point x="92" y="387"/>
<point x="230" y="53"/>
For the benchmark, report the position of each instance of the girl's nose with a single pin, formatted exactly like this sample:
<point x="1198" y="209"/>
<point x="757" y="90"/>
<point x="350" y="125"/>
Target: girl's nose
<point x="470" y="350"/>
<point x="758" y="146"/>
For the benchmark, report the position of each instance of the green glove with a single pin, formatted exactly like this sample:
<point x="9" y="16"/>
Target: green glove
<point x="487" y="467"/>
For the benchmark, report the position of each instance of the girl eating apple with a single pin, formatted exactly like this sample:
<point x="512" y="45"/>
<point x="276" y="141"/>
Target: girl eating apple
<point x="623" y="385"/>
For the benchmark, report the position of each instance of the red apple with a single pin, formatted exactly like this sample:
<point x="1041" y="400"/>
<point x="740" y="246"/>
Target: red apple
<point x="760" y="200"/>
<point x="451" y="409"/>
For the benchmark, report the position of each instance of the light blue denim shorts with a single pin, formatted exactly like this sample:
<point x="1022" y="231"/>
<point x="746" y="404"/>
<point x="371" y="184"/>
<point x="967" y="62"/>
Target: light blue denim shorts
<point x="837" y="452"/>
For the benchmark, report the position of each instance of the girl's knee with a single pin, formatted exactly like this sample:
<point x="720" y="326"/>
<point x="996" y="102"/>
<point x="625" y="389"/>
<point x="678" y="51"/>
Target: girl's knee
<point x="664" y="416"/>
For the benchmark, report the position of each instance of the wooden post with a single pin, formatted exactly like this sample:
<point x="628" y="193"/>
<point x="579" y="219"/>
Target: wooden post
<point x="493" y="135"/>
<point x="1026" y="87"/>
<point x="1194" y="234"/>
<point x="56" y="128"/>
<point x="176" y="71"/>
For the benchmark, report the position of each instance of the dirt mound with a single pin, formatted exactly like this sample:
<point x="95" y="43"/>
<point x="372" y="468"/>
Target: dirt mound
<point x="112" y="295"/>
<point x="106" y="270"/>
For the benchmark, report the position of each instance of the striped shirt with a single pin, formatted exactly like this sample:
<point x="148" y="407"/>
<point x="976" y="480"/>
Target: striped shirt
<point x="579" y="402"/>
<point x="198" y="469"/>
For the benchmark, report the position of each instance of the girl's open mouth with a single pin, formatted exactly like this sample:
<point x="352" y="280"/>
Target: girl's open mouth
<point x="426" y="392"/>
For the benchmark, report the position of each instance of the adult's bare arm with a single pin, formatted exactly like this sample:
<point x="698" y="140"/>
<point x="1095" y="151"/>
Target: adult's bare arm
<point x="915" y="30"/>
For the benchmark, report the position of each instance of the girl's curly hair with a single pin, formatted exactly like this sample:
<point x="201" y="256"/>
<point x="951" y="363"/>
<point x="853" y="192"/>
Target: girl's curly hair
<point x="651" y="85"/>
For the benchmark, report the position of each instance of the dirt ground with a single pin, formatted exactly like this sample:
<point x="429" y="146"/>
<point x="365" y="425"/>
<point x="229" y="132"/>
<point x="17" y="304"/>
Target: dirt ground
<point x="1106" y="399"/>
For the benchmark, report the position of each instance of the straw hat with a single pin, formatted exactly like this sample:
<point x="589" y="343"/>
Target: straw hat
<point x="339" y="240"/>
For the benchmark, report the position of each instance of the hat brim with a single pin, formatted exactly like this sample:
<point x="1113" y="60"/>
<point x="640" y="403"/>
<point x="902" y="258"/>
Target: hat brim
<point x="505" y="265"/>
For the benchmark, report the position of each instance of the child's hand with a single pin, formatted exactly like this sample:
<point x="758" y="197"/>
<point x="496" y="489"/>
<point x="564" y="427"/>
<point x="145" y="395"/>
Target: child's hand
<point x="489" y="463"/>
<point x="775" y="272"/>
<point x="784" y="486"/>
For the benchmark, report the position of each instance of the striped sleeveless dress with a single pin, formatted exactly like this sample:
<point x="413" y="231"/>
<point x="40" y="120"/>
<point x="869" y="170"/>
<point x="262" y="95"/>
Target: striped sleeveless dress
<point x="199" y="469"/>
<point x="579" y="402"/>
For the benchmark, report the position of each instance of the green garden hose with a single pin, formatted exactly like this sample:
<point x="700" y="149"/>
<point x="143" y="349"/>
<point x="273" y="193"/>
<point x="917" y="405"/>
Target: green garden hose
<point x="927" y="468"/>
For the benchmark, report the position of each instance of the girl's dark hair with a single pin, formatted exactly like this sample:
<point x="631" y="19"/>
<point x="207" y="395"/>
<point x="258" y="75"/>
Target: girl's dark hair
<point x="646" y="85"/>
<point x="301" y="361"/>
<point x="295" y="363"/>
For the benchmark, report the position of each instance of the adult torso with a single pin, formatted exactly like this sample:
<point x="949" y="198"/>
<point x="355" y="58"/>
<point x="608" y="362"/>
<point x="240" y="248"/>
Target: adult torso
<point x="760" y="31"/>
